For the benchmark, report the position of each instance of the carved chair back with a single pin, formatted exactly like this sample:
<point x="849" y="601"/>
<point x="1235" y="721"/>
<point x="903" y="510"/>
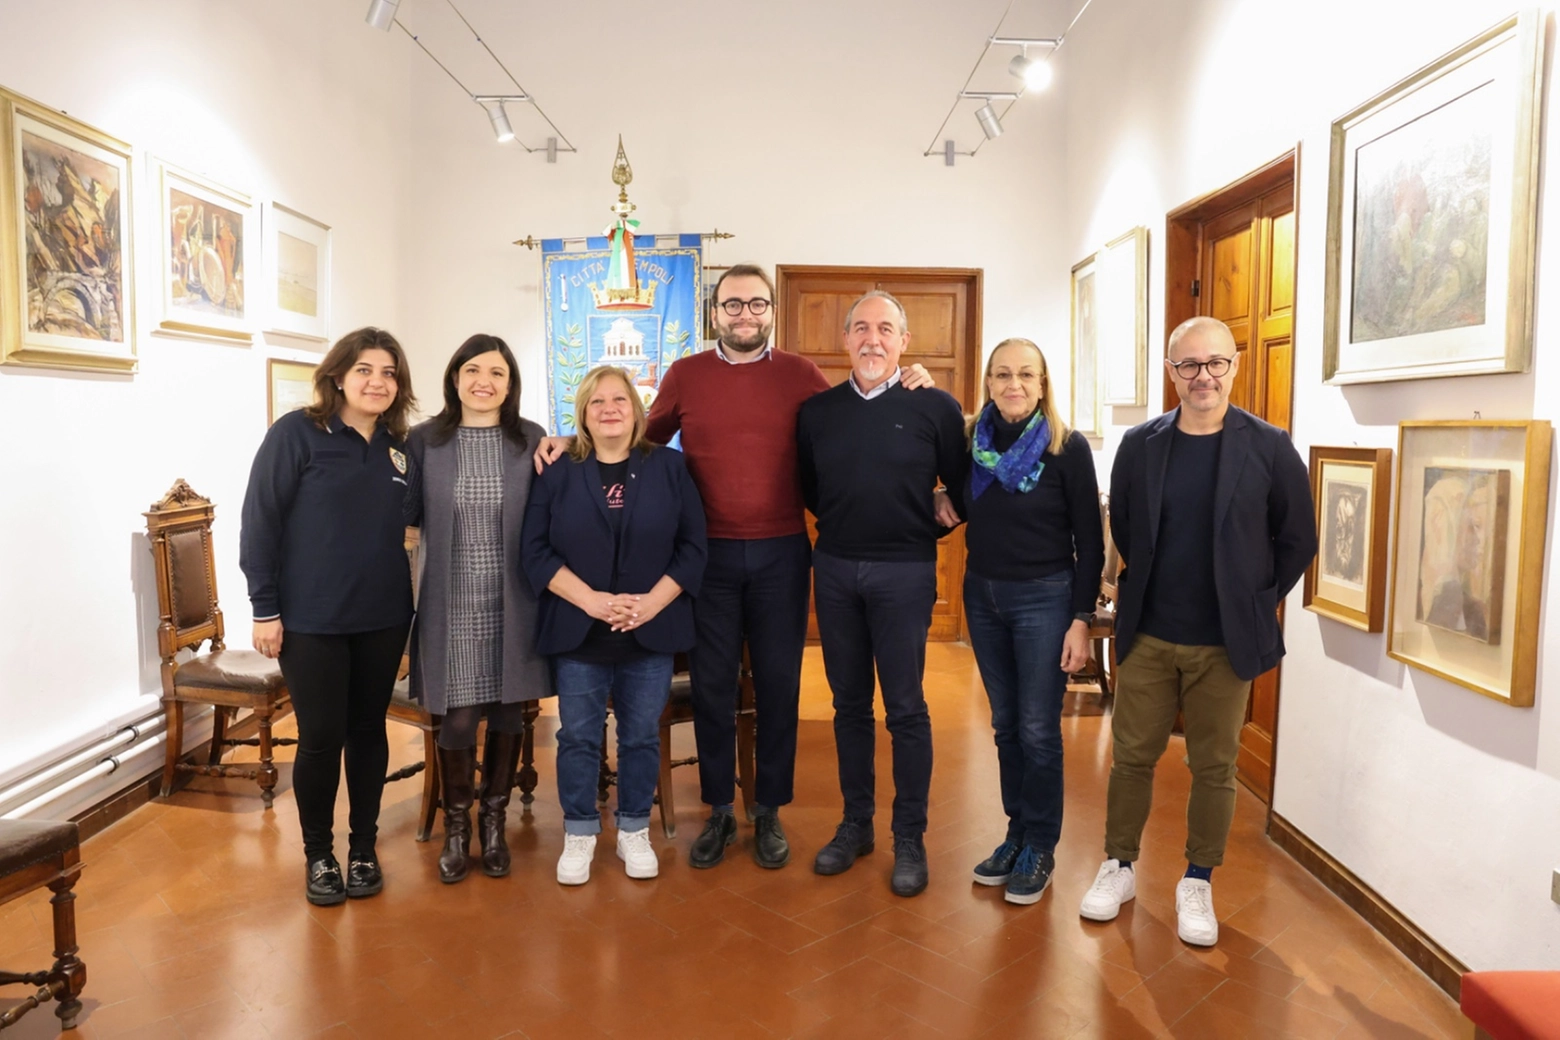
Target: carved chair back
<point x="179" y="526"/>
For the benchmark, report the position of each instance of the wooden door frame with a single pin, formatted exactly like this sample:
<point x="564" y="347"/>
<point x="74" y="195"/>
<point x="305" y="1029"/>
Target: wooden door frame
<point x="1184" y="263"/>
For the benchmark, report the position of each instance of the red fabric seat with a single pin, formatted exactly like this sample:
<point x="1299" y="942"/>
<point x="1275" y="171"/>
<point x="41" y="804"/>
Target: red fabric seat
<point x="1513" y="1005"/>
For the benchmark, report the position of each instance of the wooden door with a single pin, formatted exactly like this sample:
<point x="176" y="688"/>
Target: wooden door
<point x="943" y="309"/>
<point x="1232" y="256"/>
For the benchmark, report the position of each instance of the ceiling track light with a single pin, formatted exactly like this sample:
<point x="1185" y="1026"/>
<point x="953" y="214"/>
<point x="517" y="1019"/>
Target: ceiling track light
<point x="990" y="125"/>
<point x="381" y="14"/>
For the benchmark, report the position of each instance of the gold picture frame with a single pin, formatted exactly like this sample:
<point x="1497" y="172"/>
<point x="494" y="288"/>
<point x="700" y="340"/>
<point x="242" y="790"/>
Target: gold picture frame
<point x="1347" y="579"/>
<point x="1123" y="299"/>
<point x="67" y="262"/>
<point x="1088" y="411"/>
<point x="289" y="385"/>
<point x="209" y="250"/>
<point x="1432" y="216"/>
<point x="1468" y="553"/>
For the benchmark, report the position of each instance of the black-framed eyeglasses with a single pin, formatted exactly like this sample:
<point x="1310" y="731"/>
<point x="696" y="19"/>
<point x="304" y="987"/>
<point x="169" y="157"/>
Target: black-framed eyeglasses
<point x="1216" y="366"/>
<point x="758" y="306"/>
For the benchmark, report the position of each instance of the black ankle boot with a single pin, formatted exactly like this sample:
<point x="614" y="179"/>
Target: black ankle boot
<point x="456" y="776"/>
<point x="500" y="759"/>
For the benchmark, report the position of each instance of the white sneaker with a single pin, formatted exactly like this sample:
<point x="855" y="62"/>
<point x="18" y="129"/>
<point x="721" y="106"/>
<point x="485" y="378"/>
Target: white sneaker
<point x="1113" y="885"/>
<point x="574" y="864"/>
<point x="1195" y="922"/>
<point x="637" y="855"/>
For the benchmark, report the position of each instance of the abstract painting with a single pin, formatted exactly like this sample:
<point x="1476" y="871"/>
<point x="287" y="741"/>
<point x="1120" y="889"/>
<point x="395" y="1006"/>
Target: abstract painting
<point x="1462" y="551"/>
<point x="208" y="241"/>
<point x="66" y="271"/>
<point x="1432" y="216"/>
<point x="297" y="275"/>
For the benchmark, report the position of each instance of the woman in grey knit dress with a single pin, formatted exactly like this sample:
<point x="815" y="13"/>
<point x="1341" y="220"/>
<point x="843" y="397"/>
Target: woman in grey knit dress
<point x="473" y="647"/>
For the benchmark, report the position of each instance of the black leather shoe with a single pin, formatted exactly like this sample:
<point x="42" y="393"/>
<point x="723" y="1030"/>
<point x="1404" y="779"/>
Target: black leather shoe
<point x="770" y="849"/>
<point x="910" y="875"/>
<point x="709" y="848"/>
<point x="363" y="875"/>
<point x="325" y="887"/>
<point x="852" y="838"/>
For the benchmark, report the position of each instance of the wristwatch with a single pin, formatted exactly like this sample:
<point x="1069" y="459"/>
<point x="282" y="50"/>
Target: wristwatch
<point x="1087" y="618"/>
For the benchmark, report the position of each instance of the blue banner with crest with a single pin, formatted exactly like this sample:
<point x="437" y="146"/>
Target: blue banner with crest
<point x="642" y="331"/>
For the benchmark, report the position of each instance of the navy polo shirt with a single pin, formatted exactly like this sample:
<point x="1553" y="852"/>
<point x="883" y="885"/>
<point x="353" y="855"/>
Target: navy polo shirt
<point x="323" y="537"/>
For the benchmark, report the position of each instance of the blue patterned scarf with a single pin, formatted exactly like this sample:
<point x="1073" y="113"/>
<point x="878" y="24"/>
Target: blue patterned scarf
<point x="1018" y="469"/>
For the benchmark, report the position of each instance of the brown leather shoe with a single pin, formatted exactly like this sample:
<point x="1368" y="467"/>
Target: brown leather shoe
<point x="500" y="760"/>
<point x="457" y="771"/>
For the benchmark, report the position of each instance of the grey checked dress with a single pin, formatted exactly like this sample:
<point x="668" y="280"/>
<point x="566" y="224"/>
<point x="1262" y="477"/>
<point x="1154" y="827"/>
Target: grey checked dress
<point x="476" y="652"/>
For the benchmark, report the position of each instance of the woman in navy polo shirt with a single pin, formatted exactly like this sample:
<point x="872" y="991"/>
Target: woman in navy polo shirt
<point x="613" y="542"/>
<point x="323" y="547"/>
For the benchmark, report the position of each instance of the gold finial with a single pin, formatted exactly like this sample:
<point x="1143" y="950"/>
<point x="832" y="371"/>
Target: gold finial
<point x="622" y="173"/>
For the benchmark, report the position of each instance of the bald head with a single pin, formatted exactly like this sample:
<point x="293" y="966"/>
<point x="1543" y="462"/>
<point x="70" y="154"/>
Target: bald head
<point x="1202" y="362"/>
<point x="1207" y="332"/>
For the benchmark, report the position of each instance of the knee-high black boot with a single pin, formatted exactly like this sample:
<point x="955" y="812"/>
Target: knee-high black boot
<point x="500" y="759"/>
<point x="457" y="771"/>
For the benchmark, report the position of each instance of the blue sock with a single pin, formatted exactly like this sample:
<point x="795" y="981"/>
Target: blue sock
<point x="1200" y="873"/>
<point x="1124" y="864"/>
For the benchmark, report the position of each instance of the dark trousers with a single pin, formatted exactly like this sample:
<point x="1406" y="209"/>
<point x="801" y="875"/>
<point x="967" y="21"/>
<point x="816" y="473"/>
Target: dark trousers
<point x="340" y="687"/>
<point x="878" y="613"/>
<point x="1016" y="630"/>
<point x="754" y="590"/>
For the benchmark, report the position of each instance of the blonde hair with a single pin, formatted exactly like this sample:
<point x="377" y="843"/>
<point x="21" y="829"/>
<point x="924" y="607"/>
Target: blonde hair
<point x="580" y="450"/>
<point x="1059" y="429"/>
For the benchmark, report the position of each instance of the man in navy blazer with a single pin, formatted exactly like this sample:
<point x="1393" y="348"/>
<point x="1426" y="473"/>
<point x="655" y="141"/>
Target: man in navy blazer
<point x="1211" y="509"/>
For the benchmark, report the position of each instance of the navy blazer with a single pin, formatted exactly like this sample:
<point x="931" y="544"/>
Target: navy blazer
<point x="566" y="524"/>
<point x="1264" y="530"/>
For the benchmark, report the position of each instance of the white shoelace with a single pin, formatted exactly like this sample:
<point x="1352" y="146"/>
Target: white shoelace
<point x="1199" y="900"/>
<point x="637" y="843"/>
<point x="1105" y="880"/>
<point x="578" y="844"/>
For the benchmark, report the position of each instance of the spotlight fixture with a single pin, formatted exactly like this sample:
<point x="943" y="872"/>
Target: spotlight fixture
<point x="990" y="125"/>
<point x="1035" y="74"/>
<point x="494" y="103"/>
<point x="381" y="14"/>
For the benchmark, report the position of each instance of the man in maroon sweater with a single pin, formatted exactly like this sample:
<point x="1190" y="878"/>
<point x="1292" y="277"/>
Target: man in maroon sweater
<point x="736" y="408"/>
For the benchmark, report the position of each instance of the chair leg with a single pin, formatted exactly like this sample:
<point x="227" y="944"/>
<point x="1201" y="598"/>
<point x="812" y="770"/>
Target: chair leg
<point x="267" y="777"/>
<point x="746" y="776"/>
<point x="219" y="721"/>
<point x="528" y="776"/>
<point x="664" y="788"/>
<point x="66" y="964"/>
<point x="604" y="777"/>
<point x="430" y="795"/>
<point x="174" y="744"/>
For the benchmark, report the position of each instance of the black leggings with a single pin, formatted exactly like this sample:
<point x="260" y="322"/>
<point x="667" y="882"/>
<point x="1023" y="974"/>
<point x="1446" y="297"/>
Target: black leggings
<point x="458" y="731"/>
<point x="340" y="687"/>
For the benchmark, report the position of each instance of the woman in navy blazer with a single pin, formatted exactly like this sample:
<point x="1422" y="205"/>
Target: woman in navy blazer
<point x="613" y="543"/>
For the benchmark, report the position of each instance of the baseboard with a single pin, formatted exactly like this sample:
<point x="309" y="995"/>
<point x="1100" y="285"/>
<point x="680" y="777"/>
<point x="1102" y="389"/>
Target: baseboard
<point x="1427" y="955"/>
<point x="142" y="789"/>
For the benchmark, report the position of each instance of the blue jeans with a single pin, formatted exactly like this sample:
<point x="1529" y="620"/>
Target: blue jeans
<point x="638" y="688"/>
<point x="1016" y="629"/>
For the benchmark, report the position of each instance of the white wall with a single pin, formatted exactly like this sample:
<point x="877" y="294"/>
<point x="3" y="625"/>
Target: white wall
<point x="1445" y="802"/>
<point x="288" y="100"/>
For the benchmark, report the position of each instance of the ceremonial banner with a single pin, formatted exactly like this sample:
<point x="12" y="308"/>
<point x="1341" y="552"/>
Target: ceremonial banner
<point x="592" y="320"/>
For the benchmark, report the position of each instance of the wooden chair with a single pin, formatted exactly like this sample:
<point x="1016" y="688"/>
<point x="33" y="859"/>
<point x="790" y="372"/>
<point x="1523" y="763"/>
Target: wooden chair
<point x="35" y="853"/>
<point x="1093" y="690"/>
<point x="179" y="527"/>
<point x="679" y="708"/>
<point x="408" y="712"/>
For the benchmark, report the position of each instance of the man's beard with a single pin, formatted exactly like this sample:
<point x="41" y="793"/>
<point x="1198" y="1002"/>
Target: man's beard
<point x="746" y="343"/>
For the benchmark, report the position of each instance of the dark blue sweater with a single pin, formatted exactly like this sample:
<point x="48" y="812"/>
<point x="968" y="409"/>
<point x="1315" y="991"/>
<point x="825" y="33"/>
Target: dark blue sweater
<point x="323" y="537"/>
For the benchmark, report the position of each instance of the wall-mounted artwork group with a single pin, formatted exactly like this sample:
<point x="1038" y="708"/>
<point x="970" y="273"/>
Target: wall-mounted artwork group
<point x="69" y="239"/>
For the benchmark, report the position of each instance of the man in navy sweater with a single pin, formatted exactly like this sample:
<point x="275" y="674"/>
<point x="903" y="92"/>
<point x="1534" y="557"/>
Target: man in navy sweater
<point x="870" y="454"/>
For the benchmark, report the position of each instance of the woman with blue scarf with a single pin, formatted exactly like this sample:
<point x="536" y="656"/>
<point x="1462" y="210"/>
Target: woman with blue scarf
<point x="1036" y="550"/>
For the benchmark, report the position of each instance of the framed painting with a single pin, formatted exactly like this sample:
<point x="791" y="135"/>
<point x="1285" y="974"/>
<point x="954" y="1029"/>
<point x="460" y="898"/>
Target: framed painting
<point x="1468" y="558"/>
<point x="67" y="271"/>
<point x="1432" y="218"/>
<point x="1352" y="489"/>
<point x="1122" y="294"/>
<point x="1087" y="409"/>
<point x="289" y="386"/>
<point x="297" y="274"/>
<point x="209" y="243"/>
<point x="709" y="276"/>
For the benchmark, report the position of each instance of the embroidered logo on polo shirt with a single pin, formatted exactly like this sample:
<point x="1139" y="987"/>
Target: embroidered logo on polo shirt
<point x="400" y="461"/>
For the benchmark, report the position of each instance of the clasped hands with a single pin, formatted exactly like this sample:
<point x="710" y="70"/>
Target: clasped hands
<point x="622" y="610"/>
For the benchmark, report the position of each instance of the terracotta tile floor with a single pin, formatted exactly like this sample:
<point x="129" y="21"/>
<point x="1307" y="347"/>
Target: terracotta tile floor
<point x="193" y="924"/>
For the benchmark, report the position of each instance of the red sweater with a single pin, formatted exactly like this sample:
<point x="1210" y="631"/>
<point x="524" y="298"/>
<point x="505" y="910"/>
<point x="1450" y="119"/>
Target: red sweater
<point x="738" y="426"/>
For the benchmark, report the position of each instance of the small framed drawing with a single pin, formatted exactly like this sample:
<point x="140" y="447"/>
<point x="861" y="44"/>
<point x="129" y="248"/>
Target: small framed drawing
<point x="209" y="243"/>
<point x="1352" y="489"/>
<point x="1432" y="216"/>
<point x="1123" y="319"/>
<point x="67" y="270"/>
<point x="709" y="275"/>
<point x="1087" y="409"/>
<point x="289" y="386"/>
<point x="297" y="274"/>
<point x="1468" y="558"/>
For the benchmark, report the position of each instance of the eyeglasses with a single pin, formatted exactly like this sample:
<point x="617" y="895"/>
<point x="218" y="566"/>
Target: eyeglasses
<point x="758" y="306"/>
<point x="1216" y="366"/>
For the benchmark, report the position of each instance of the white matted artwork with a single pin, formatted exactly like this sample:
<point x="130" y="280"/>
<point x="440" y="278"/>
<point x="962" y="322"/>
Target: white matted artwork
<point x="209" y="242"/>
<point x="289" y="386"/>
<point x="1433" y="216"/>
<point x="1087" y="412"/>
<point x="297" y="274"/>
<point x="1122" y="296"/>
